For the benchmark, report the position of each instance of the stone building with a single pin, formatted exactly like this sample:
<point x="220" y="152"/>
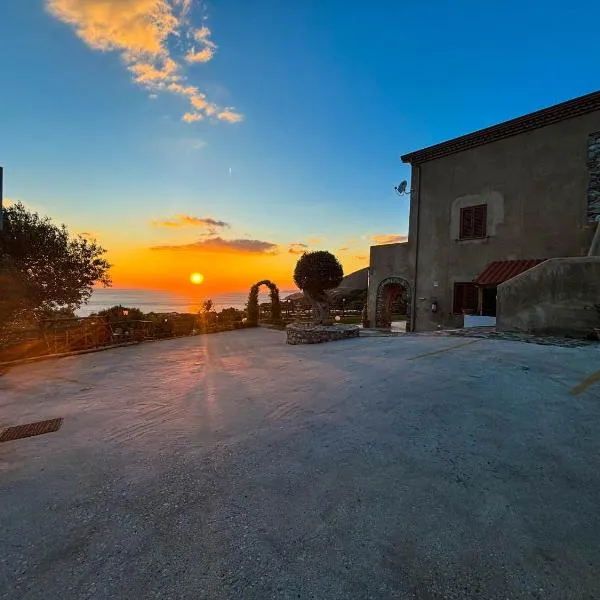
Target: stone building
<point x="488" y="206"/>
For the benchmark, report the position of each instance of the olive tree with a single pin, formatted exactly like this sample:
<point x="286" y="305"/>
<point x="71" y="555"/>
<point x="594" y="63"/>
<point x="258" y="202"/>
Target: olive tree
<point x="315" y="273"/>
<point x="43" y="268"/>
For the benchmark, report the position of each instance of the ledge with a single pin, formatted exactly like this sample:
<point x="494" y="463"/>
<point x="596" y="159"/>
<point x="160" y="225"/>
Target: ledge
<point x="300" y="333"/>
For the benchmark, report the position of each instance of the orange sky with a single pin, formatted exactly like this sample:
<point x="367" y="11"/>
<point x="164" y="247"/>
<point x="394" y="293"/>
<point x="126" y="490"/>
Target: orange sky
<point x="223" y="271"/>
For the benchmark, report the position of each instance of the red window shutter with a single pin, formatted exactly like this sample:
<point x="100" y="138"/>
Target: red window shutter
<point x="466" y="222"/>
<point x="473" y="222"/>
<point x="479" y="220"/>
<point x="458" y="300"/>
<point x="465" y="297"/>
<point x="470" y="301"/>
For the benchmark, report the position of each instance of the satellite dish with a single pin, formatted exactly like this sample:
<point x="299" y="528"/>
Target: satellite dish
<point x="401" y="187"/>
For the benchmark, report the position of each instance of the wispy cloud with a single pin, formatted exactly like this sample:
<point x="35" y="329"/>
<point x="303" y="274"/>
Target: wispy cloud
<point x="218" y="245"/>
<point x="361" y="257"/>
<point x="192" y="221"/>
<point x="155" y="38"/>
<point x="90" y="235"/>
<point x="388" y="238"/>
<point x="207" y="47"/>
<point x="200" y="56"/>
<point x="189" y="117"/>
<point x="230" y="116"/>
<point x="297" y="248"/>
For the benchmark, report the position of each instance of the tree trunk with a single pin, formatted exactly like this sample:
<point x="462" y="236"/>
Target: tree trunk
<point x="320" y="307"/>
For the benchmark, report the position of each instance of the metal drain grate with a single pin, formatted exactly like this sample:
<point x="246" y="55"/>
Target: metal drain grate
<point x="30" y="429"/>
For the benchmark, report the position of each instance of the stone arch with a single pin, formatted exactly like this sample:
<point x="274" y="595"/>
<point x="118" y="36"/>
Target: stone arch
<point x="253" y="308"/>
<point x="387" y="291"/>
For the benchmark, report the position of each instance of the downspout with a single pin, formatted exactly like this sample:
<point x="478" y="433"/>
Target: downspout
<point x="417" y="191"/>
<point x="595" y="245"/>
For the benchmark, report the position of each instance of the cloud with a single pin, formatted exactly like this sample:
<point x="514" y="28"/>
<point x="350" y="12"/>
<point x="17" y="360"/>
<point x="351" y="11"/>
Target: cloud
<point x="297" y="248"/>
<point x="361" y="257"/>
<point x="189" y="117"/>
<point x="191" y="221"/>
<point x="155" y="39"/>
<point x="388" y="238"/>
<point x="202" y="36"/>
<point x="218" y="245"/>
<point x="230" y="116"/>
<point x="202" y="56"/>
<point x="345" y="249"/>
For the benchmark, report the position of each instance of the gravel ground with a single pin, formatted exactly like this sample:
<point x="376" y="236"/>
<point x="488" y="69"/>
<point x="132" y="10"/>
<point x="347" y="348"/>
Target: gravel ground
<point x="234" y="466"/>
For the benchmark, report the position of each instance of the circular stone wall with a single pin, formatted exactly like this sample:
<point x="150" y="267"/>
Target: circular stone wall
<point x="317" y="334"/>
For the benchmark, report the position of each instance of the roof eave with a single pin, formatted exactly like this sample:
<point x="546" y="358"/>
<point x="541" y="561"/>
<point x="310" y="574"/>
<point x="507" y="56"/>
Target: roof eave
<point x="535" y="120"/>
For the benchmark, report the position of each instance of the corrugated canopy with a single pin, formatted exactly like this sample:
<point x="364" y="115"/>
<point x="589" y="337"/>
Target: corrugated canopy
<point x="500" y="271"/>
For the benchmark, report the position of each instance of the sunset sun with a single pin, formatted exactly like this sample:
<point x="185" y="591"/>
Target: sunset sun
<point x="196" y="278"/>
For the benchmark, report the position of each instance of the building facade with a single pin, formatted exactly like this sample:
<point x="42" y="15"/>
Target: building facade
<point x="486" y="206"/>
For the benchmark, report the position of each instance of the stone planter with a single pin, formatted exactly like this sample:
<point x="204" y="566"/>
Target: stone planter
<point x="300" y="333"/>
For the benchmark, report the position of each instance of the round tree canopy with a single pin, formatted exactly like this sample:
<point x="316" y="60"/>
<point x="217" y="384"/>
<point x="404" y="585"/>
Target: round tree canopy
<point x="318" y="271"/>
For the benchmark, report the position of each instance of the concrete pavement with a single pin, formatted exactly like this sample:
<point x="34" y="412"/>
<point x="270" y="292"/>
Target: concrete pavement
<point x="234" y="466"/>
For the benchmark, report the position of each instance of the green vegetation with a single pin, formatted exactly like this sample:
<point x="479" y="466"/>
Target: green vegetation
<point x="315" y="273"/>
<point x="253" y="309"/>
<point x="43" y="269"/>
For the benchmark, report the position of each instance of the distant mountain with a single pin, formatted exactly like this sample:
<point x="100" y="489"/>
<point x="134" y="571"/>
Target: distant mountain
<point x="356" y="281"/>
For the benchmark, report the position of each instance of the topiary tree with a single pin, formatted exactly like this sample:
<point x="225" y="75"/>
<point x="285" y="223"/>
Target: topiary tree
<point x="252" y="309"/>
<point x="315" y="273"/>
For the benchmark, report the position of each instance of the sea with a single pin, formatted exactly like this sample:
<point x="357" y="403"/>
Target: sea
<point x="163" y="301"/>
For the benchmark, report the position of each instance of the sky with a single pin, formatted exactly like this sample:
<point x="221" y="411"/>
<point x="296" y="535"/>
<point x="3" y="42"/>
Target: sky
<point x="227" y="137"/>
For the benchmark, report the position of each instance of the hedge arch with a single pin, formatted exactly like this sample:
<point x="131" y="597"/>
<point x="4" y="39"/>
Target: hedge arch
<point x="252" y="306"/>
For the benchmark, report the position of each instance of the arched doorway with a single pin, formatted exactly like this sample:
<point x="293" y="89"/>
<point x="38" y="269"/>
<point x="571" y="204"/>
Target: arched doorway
<point x="253" y="308"/>
<point x="392" y="293"/>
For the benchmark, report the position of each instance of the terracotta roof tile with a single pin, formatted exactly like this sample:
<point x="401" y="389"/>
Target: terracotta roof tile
<point x="500" y="271"/>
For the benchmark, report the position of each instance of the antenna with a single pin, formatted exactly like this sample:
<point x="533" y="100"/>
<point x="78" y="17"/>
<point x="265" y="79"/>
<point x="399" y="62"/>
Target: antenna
<point x="401" y="188"/>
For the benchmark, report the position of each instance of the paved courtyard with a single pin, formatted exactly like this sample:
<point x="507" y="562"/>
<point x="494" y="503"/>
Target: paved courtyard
<point x="233" y="466"/>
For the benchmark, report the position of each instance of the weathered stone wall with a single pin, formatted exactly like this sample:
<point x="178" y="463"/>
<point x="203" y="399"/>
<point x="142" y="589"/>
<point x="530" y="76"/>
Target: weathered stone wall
<point x="298" y="333"/>
<point x="388" y="262"/>
<point x="554" y="297"/>
<point x="593" y="210"/>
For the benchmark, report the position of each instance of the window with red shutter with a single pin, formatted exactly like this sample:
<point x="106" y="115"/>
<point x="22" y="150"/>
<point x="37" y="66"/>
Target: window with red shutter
<point x="465" y="297"/>
<point x="473" y="222"/>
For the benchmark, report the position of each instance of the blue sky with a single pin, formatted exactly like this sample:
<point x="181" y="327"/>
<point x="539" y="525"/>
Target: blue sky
<point x="325" y="97"/>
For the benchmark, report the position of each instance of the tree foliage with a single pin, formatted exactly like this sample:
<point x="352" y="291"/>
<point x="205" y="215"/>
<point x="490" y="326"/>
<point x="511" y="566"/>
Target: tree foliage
<point x="43" y="268"/>
<point x="252" y="307"/>
<point x="318" y="271"/>
<point x="315" y="273"/>
<point x="122" y="314"/>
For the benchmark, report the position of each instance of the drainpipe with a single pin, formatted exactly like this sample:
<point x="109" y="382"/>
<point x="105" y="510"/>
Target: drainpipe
<point x="415" y="190"/>
<point x="595" y="245"/>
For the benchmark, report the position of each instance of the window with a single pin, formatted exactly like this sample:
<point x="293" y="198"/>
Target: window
<point x="473" y="222"/>
<point x="465" y="297"/>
